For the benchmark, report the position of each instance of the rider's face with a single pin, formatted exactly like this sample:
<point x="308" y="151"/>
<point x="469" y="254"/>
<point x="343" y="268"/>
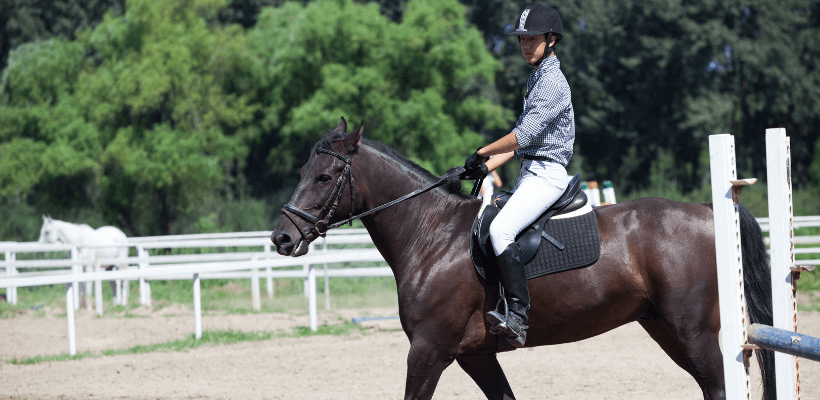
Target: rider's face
<point x="533" y="47"/>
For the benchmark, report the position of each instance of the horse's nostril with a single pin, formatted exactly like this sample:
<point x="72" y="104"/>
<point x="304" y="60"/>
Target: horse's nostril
<point x="282" y="240"/>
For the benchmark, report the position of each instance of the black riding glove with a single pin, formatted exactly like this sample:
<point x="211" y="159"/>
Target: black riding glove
<point x="474" y="160"/>
<point x="474" y="173"/>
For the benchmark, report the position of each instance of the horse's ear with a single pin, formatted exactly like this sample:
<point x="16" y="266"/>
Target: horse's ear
<point x="342" y="127"/>
<point x="354" y="139"/>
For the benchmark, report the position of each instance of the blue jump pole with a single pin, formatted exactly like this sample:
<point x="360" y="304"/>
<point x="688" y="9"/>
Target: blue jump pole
<point x="781" y="340"/>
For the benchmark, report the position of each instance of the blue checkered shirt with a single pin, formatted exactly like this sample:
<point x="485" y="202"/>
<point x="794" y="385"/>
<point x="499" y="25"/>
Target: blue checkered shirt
<point x="547" y="126"/>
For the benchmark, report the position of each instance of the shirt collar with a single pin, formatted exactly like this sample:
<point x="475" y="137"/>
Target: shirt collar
<point x="547" y="64"/>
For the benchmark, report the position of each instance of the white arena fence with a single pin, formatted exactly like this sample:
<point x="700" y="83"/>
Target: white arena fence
<point x="231" y="265"/>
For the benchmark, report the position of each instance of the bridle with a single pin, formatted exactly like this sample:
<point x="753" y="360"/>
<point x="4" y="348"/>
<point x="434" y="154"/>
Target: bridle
<point x="320" y="226"/>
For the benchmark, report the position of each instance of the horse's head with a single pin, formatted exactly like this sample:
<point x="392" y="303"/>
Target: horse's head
<point x="323" y="194"/>
<point x="48" y="233"/>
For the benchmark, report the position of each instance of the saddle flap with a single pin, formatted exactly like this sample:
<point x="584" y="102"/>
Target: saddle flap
<point x="482" y="231"/>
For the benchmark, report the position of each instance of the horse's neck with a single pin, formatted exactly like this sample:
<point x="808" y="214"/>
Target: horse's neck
<point x="412" y="227"/>
<point x="71" y="233"/>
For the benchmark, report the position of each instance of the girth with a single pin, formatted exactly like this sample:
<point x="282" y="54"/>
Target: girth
<point x="529" y="239"/>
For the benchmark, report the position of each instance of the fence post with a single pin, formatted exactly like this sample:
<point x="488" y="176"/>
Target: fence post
<point x="312" y="297"/>
<point x="781" y="234"/>
<point x="327" y="278"/>
<point x="268" y="272"/>
<point x="98" y="293"/>
<point x="306" y="270"/>
<point x="126" y="287"/>
<point x="117" y="288"/>
<point x="69" y="313"/>
<point x="86" y="289"/>
<point x="257" y="302"/>
<point x="145" y="286"/>
<point x="729" y="266"/>
<point x="197" y="309"/>
<point x="11" y="270"/>
<point x="75" y="269"/>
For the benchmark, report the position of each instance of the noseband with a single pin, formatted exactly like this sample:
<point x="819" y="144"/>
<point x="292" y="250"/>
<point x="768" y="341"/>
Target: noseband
<point x="320" y="226"/>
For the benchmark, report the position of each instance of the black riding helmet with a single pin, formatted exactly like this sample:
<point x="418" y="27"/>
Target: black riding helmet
<point x="539" y="19"/>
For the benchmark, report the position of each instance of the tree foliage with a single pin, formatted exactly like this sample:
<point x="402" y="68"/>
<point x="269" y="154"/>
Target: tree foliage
<point x="176" y="116"/>
<point x="652" y="79"/>
<point x="24" y="21"/>
<point x="149" y="123"/>
<point x="415" y="84"/>
<point x="158" y="109"/>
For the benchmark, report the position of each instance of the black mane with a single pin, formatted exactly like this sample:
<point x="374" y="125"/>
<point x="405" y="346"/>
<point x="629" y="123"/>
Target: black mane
<point x="451" y="186"/>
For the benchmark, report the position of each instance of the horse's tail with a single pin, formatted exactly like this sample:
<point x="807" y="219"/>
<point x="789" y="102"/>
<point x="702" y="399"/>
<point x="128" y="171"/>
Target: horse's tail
<point x="758" y="289"/>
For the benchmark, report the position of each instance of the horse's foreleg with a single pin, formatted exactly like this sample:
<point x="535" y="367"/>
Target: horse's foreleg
<point x="425" y="363"/>
<point x="487" y="374"/>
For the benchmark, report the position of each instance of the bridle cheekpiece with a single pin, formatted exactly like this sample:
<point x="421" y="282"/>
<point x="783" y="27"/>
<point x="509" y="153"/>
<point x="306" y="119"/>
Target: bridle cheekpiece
<point x="320" y="226"/>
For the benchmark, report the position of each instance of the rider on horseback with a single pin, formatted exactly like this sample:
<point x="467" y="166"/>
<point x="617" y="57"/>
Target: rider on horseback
<point x="543" y="139"/>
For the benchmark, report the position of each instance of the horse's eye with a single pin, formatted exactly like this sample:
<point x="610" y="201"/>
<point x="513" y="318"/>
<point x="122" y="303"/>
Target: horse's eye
<point x="323" y="178"/>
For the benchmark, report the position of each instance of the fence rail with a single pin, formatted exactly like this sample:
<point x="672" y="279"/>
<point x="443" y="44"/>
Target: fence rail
<point x="248" y="267"/>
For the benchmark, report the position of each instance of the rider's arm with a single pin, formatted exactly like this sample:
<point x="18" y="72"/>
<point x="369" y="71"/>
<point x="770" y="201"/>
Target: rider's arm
<point x="496" y="179"/>
<point x="499" y="160"/>
<point x="501" y="146"/>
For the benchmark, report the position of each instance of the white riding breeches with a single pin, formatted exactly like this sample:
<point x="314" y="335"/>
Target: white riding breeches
<point x="541" y="183"/>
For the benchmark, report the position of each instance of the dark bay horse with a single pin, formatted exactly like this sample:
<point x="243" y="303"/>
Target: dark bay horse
<point x="657" y="267"/>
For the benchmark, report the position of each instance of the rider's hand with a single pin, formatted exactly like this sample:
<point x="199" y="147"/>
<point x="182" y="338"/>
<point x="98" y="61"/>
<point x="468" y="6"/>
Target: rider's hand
<point x="474" y="173"/>
<point x="474" y="160"/>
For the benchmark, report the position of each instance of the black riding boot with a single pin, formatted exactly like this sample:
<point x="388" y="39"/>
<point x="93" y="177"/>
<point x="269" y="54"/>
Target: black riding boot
<point x="514" y="281"/>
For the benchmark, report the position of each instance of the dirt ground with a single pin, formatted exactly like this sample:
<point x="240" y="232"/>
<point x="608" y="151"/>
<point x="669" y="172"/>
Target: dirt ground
<point x="622" y="364"/>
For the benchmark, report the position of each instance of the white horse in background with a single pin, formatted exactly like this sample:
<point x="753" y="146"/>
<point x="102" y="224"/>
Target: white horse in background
<point x="81" y="235"/>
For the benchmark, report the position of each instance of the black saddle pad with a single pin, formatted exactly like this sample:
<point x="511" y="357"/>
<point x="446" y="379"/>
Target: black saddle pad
<point x="582" y="247"/>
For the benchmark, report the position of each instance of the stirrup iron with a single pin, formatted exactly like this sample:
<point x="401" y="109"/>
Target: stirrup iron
<point x="499" y="327"/>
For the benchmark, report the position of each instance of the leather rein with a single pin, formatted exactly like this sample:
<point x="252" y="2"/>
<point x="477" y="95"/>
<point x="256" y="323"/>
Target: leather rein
<point x="321" y="226"/>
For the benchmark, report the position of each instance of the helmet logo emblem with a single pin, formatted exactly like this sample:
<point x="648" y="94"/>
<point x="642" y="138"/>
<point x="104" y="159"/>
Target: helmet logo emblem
<point x="523" y="20"/>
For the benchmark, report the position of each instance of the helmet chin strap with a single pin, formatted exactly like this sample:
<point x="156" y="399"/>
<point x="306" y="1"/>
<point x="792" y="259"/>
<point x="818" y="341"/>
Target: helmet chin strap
<point x="547" y="51"/>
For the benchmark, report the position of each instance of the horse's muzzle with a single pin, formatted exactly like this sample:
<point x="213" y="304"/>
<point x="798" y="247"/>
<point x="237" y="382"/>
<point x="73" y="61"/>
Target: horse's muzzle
<point x="283" y="242"/>
<point x="287" y="246"/>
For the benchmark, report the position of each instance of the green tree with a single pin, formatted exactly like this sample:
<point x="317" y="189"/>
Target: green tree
<point x="149" y="124"/>
<point x="25" y="21"/>
<point x="652" y="79"/>
<point x="416" y="84"/>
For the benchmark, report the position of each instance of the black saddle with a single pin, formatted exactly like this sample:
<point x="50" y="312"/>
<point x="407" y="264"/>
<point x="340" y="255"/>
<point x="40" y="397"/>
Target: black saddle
<point x="529" y="239"/>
